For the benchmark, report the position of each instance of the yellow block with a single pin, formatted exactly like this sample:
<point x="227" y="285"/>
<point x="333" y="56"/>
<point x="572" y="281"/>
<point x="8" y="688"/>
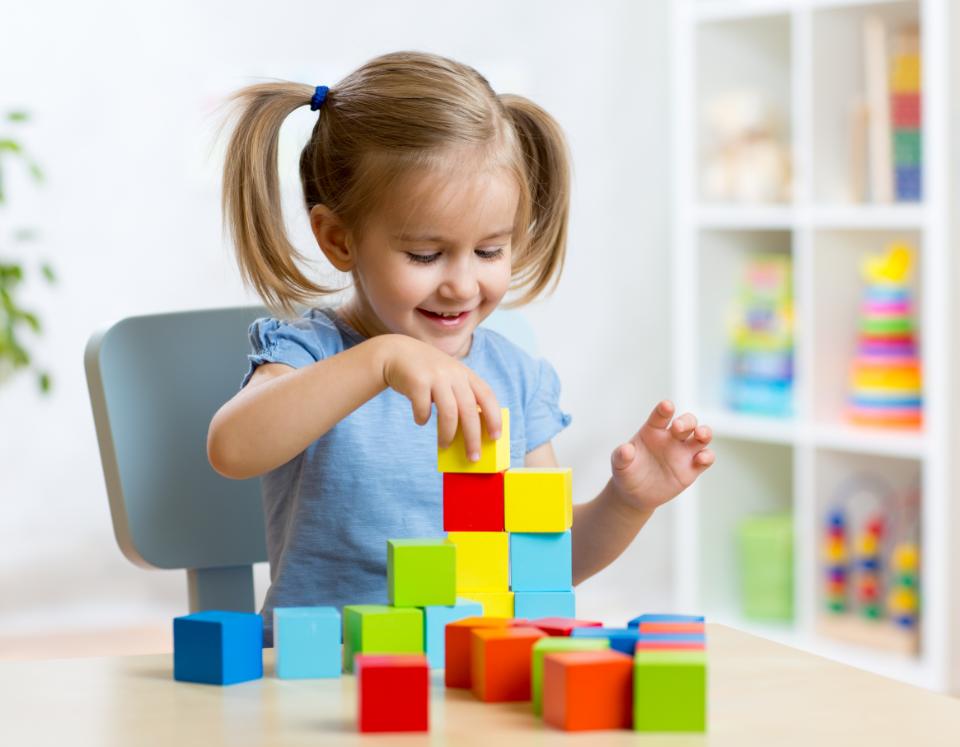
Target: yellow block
<point x="494" y="453"/>
<point x="495" y="603"/>
<point x="483" y="561"/>
<point x="835" y="551"/>
<point x="538" y="499"/>
<point x="906" y="76"/>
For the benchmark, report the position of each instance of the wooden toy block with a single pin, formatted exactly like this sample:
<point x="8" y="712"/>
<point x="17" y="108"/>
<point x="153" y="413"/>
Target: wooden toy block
<point x="495" y="603"/>
<point x="307" y="642"/>
<point x="421" y="572"/>
<point x="699" y="638"/>
<point x="494" y="453"/>
<point x="458" y="646"/>
<point x="393" y="693"/>
<point x="544" y="604"/>
<point x="500" y="662"/>
<point x="483" y="561"/>
<point x="435" y="620"/>
<point x="218" y="647"/>
<point x="670" y="691"/>
<point x="541" y="561"/>
<point x="671" y="627"/>
<point x="562" y="626"/>
<point x="472" y="502"/>
<point x="588" y="690"/>
<point x="621" y="639"/>
<point x="378" y="629"/>
<point x="664" y="618"/>
<point x="552" y="645"/>
<point x="538" y="499"/>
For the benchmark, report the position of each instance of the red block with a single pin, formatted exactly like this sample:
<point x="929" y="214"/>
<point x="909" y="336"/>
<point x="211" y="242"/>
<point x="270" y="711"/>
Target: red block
<point x="393" y="692"/>
<point x="500" y="662"/>
<point x="562" y="626"/>
<point x="672" y="627"/>
<point x="584" y="690"/>
<point x="648" y="645"/>
<point x="472" y="502"/>
<point x="457" y="642"/>
<point x="906" y="110"/>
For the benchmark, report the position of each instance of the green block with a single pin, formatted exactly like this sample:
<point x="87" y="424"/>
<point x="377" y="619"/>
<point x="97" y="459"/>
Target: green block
<point x="379" y="629"/>
<point x="551" y="645"/>
<point x="907" y="148"/>
<point x="670" y="691"/>
<point x="421" y="572"/>
<point x="765" y="549"/>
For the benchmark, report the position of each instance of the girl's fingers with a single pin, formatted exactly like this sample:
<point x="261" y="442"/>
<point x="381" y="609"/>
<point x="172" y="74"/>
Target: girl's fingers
<point x="469" y="420"/>
<point x="622" y="456"/>
<point x="660" y="417"/>
<point x="703" y="434"/>
<point x="683" y="426"/>
<point x="703" y="458"/>
<point x="447" y="415"/>
<point x="488" y="405"/>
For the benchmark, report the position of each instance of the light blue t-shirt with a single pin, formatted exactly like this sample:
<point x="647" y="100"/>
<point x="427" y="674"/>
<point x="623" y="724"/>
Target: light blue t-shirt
<point x="373" y="476"/>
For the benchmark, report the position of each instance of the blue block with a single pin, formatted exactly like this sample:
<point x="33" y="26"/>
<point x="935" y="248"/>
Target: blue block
<point x="218" y="648"/>
<point x="621" y="639"/>
<point x="541" y="562"/>
<point x="909" y="183"/>
<point x="435" y="619"/>
<point x="635" y="622"/>
<point x="531" y="605"/>
<point x="307" y="642"/>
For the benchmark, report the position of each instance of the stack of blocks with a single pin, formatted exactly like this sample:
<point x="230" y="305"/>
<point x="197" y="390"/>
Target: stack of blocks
<point x="511" y="528"/>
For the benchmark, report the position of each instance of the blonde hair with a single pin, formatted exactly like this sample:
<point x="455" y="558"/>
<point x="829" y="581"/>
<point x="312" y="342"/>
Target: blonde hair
<point x="398" y="111"/>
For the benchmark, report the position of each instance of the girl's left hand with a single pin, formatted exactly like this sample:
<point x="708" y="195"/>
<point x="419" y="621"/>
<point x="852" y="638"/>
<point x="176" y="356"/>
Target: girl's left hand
<point x="662" y="459"/>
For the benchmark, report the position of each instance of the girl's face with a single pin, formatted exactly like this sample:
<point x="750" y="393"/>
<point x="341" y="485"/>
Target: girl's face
<point x="434" y="261"/>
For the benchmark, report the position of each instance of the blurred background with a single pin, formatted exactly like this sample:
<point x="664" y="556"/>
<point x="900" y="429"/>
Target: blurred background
<point x="762" y="227"/>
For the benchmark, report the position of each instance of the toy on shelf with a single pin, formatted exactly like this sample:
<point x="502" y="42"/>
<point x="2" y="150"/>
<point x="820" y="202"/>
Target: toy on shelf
<point x="765" y="545"/>
<point x="906" y="96"/>
<point x="746" y="158"/>
<point x="885" y="376"/>
<point x="871" y="591"/>
<point x="761" y="337"/>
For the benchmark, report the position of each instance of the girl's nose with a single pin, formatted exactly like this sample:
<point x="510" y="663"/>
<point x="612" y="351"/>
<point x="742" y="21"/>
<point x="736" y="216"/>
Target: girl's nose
<point x="460" y="281"/>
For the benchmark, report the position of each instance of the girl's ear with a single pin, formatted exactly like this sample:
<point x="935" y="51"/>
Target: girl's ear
<point x="333" y="237"/>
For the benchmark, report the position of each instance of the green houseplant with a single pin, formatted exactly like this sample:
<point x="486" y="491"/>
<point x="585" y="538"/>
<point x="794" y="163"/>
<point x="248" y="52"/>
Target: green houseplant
<point x="16" y="321"/>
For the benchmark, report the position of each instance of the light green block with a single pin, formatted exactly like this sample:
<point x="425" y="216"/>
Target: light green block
<point x="379" y="629"/>
<point x="670" y="691"/>
<point x="551" y="645"/>
<point x="907" y="148"/>
<point x="765" y="549"/>
<point x="421" y="572"/>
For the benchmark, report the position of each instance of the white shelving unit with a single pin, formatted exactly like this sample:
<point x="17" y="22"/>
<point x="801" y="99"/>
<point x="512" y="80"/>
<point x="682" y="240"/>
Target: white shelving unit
<point x="805" y="56"/>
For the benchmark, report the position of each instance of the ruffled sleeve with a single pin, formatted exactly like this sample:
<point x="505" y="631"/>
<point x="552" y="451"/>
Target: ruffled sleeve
<point x="293" y="343"/>
<point x="544" y="418"/>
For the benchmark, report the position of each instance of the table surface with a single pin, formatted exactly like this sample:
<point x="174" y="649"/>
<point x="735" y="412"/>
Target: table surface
<point x="760" y="693"/>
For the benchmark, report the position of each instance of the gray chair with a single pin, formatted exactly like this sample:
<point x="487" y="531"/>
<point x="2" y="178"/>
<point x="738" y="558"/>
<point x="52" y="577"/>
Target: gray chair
<point x="155" y="382"/>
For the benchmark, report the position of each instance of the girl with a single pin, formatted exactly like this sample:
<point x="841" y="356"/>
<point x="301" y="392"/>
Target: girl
<point x="437" y="196"/>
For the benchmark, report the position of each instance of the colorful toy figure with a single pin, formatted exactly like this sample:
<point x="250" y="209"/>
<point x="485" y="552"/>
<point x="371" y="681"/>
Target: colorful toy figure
<point x="836" y="562"/>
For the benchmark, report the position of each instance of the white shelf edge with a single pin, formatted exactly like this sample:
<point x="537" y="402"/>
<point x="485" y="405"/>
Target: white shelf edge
<point x="713" y="11"/>
<point x="815" y="217"/>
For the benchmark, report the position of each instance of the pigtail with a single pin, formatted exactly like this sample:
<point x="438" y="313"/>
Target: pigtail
<point x="251" y="197"/>
<point x="539" y="262"/>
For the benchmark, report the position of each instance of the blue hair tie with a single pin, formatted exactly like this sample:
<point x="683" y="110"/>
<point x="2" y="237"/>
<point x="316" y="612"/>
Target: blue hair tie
<point x="319" y="96"/>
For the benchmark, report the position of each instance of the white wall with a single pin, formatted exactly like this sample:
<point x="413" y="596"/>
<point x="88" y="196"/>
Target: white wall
<point x="123" y="98"/>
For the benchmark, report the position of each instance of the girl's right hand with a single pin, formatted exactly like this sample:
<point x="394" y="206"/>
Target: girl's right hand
<point x="427" y="376"/>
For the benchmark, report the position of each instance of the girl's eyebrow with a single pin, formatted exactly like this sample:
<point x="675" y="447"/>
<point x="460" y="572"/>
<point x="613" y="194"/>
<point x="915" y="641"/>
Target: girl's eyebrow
<point x="441" y="239"/>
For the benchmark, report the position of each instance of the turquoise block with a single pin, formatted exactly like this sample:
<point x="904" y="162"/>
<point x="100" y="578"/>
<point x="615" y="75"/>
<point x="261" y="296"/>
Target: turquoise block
<point x="530" y="605"/>
<point x="218" y="647"/>
<point x="307" y="642"/>
<point x="541" y="562"/>
<point x="435" y="619"/>
<point x="621" y="639"/>
<point x="664" y="618"/>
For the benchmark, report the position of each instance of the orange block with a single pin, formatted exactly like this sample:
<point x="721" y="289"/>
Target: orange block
<point x="585" y="690"/>
<point x="500" y="662"/>
<point x="648" y="645"/>
<point x="457" y="642"/>
<point x="672" y="627"/>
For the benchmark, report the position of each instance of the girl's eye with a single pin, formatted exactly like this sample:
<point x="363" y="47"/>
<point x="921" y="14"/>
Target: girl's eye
<point x="490" y="253"/>
<point x="423" y="259"/>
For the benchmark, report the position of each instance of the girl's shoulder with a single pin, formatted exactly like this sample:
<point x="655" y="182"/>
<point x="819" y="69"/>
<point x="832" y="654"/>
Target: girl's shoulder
<point x="497" y="356"/>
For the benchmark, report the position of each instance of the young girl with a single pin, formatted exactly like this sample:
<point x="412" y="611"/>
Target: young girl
<point x="438" y="196"/>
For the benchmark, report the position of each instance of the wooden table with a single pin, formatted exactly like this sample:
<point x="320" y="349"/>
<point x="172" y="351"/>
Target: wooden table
<point x="761" y="693"/>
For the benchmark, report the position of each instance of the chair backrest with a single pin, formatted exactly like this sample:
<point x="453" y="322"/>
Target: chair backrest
<point x="155" y="382"/>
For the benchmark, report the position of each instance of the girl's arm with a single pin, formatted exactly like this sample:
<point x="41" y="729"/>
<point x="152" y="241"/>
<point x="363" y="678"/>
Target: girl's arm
<point x="282" y="410"/>
<point x="602" y="528"/>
